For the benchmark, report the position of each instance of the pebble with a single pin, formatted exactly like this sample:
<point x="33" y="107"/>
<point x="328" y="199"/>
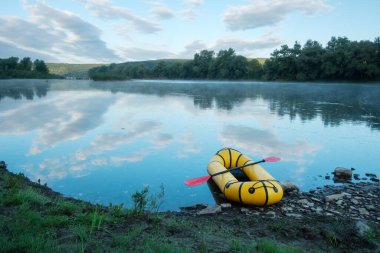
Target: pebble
<point x="363" y="211"/>
<point x="354" y="201"/>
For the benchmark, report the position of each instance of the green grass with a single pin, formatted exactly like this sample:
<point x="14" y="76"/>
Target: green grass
<point x="267" y="246"/>
<point x="26" y="195"/>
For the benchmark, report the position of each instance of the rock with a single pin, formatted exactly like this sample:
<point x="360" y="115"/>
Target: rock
<point x="354" y="201"/>
<point x="244" y="210"/>
<point x="363" y="211"/>
<point x="212" y="209"/>
<point x="316" y="200"/>
<point x="362" y="228"/>
<point x="305" y="203"/>
<point x="194" y="207"/>
<point x="334" y="197"/>
<point x="370" y="175"/>
<point x="370" y="207"/>
<point x="327" y="177"/>
<point x="339" y="202"/>
<point x="318" y="210"/>
<point x="374" y="179"/>
<point x="342" y="173"/>
<point x="226" y="205"/>
<point x="288" y="186"/>
<point x="356" y="176"/>
<point x="294" y="215"/>
<point x="334" y="212"/>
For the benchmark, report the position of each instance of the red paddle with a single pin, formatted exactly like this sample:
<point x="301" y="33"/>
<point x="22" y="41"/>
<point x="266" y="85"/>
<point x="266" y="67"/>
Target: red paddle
<point x="201" y="180"/>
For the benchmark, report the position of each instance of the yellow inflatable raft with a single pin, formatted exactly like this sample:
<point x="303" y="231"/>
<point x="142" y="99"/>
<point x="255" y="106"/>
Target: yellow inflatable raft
<point x="262" y="190"/>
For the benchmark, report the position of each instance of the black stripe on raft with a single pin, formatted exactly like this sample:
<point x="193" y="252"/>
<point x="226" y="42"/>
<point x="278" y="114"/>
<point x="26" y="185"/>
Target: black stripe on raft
<point x="224" y="162"/>
<point x="219" y="151"/>
<point x="247" y="162"/>
<point x="229" y="151"/>
<point x="240" y="192"/>
<point x="266" y="193"/>
<point x="237" y="160"/>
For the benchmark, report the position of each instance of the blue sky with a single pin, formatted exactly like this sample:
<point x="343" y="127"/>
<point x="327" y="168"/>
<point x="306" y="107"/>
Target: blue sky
<point x="93" y="31"/>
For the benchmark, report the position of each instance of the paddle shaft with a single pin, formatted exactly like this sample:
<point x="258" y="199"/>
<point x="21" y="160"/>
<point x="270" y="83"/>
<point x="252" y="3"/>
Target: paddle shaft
<point x="237" y="168"/>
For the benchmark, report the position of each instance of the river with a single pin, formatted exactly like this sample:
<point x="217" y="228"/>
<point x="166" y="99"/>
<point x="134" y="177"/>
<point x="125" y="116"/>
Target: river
<point x="102" y="141"/>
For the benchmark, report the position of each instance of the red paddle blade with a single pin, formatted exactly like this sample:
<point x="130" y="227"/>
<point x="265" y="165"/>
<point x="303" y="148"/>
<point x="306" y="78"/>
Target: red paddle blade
<point x="197" y="181"/>
<point x="272" y="159"/>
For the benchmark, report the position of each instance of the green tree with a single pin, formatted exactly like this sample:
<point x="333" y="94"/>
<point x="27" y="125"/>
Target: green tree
<point x="40" y="66"/>
<point x="25" y="64"/>
<point x="309" y="61"/>
<point x="201" y="63"/>
<point x="228" y="65"/>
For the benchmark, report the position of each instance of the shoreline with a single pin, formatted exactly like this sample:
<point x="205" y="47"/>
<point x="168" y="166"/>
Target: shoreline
<point x="343" y="218"/>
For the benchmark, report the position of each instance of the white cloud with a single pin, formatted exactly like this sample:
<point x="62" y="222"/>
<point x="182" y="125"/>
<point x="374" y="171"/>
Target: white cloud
<point x="8" y="49"/>
<point x="244" y="45"/>
<point x="59" y="34"/>
<point x="259" y="13"/>
<point x="194" y="2"/>
<point x="146" y="54"/>
<point x="162" y="12"/>
<point x="241" y="46"/>
<point x="110" y="141"/>
<point x="193" y="48"/>
<point x="106" y="10"/>
<point x="264" y="143"/>
<point x="162" y="140"/>
<point x="189" y="145"/>
<point x="189" y="13"/>
<point x="132" y="158"/>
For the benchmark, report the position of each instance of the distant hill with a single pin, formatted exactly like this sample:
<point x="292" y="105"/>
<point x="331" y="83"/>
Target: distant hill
<point x="150" y="64"/>
<point x="78" y="71"/>
<point x="261" y="60"/>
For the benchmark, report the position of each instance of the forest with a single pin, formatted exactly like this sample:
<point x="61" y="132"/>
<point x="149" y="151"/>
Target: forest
<point x="340" y="60"/>
<point x="25" y="68"/>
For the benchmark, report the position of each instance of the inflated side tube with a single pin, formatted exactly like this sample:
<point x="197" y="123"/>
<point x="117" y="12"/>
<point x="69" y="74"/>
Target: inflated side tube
<point x="262" y="190"/>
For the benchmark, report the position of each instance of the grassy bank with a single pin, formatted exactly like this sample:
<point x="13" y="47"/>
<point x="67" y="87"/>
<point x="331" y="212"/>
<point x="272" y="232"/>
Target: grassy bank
<point x="33" y="218"/>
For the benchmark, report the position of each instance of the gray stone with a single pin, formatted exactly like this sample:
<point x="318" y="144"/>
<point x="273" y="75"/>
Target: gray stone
<point x="288" y="186"/>
<point x="294" y="215"/>
<point x="342" y="173"/>
<point x="334" y="212"/>
<point x="318" y="210"/>
<point x="212" y="209"/>
<point x="370" y="207"/>
<point x="244" y="210"/>
<point x="339" y="202"/>
<point x="226" y="205"/>
<point x="363" y="211"/>
<point x="334" y="197"/>
<point x="316" y="200"/>
<point x="362" y="228"/>
<point x="355" y="201"/>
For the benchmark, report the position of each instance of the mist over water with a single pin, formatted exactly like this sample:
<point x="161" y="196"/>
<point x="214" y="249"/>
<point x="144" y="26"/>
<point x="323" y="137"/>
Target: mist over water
<point x="102" y="141"/>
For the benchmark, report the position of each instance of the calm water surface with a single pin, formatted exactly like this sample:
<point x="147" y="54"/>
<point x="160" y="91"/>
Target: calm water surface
<point x="102" y="141"/>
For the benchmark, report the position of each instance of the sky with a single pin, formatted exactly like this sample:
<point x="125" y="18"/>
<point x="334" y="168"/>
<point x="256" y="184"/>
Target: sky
<point x="105" y="31"/>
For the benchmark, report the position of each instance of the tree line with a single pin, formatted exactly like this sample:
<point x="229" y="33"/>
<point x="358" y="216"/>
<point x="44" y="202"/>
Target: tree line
<point x="13" y="67"/>
<point x="340" y="60"/>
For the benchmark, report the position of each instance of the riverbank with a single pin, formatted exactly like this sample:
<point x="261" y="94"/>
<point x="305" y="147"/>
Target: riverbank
<point x="33" y="218"/>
